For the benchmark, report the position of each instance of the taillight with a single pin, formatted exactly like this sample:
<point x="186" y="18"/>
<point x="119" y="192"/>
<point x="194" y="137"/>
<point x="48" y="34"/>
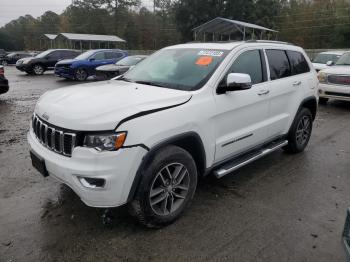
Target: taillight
<point x="2" y="71"/>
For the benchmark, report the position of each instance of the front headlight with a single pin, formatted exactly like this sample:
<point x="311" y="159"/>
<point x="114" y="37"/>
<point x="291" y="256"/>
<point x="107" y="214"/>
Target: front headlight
<point x="26" y="62"/>
<point x="105" y="142"/>
<point x="322" y="77"/>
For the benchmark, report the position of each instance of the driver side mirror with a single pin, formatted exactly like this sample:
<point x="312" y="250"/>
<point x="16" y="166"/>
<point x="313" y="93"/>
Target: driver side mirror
<point x="330" y="63"/>
<point x="92" y="59"/>
<point x="235" y="82"/>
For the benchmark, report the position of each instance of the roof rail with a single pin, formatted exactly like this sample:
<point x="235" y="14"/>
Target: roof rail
<point x="268" y="41"/>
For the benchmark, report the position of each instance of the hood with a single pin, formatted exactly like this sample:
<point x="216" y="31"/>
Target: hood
<point x="66" y="61"/>
<point x="111" y="67"/>
<point x="102" y="105"/>
<point x="319" y="66"/>
<point x="337" y="70"/>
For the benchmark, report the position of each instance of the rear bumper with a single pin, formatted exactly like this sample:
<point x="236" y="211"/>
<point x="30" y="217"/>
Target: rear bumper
<point x="24" y="67"/>
<point x="118" y="169"/>
<point x="346" y="235"/>
<point x="340" y="92"/>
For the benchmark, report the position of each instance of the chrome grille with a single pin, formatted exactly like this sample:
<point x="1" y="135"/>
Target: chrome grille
<point x="54" y="138"/>
<point x="339" y="79"/>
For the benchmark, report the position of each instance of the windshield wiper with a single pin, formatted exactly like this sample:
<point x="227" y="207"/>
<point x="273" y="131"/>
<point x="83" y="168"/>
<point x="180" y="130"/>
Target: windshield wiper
<point x="149" y="83"/>
<point x="123" y="78"/>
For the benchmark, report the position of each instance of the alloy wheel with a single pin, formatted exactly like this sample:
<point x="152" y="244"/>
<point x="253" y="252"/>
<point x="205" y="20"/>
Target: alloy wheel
<point x="169" y="189"/>
<point x="38" y="70"/>
<point x="80" y="74"/>
<point x="303" y="130"/>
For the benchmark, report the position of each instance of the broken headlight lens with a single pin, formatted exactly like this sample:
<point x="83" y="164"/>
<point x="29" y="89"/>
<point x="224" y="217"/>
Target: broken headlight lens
<point x="105" y="142"/>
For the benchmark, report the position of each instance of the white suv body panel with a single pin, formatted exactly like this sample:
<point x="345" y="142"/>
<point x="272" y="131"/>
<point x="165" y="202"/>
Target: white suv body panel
<point x="245" y="117"/>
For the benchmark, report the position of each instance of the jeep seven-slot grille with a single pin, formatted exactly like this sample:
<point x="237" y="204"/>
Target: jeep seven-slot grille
<point x="54" y="138"/>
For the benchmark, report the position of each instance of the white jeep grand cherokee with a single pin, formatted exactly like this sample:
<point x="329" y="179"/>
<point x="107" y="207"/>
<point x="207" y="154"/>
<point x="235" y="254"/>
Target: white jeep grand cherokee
<point x="186" y="111"/>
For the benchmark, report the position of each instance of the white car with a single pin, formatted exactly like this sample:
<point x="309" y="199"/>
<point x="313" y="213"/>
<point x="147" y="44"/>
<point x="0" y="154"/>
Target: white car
<point x="326" y="59"/>
<point x="335" y="81"/>
<point x="189" y="110"/>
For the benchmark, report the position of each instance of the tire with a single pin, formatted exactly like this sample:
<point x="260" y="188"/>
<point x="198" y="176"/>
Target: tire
<point x="323" y="100"/>
<point x="38" y="69"/>
<point x="168" y="200"/>
<point x="80" y="74"/>
<point x="300" y="132"/>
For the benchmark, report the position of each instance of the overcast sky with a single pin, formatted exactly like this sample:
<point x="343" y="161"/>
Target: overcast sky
<point x="12" y="9"/>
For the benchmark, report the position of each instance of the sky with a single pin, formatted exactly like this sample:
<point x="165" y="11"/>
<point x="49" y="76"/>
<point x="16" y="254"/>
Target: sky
<point x="12" y="9"/>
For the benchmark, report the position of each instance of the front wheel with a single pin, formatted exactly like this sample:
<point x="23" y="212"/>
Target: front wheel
<point x="300" y="132"/>
<point x="166" y="189"/>
<point x="80" y="74"/>
<point x="38" y="69"/>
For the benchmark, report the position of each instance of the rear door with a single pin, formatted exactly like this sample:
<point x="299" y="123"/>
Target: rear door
<point x="241" y="116"/>
<point x="289" y="74"/>
<point x="52" y="58"/>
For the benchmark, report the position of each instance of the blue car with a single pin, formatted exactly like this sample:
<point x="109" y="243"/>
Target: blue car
<point x="84" y="65"/>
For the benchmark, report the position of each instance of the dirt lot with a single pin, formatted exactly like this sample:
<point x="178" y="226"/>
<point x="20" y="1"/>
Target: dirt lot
<point x="281" y="208"/>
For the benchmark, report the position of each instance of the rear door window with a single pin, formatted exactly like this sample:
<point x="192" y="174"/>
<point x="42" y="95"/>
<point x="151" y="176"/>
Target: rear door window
<point x="278" y="64"/>
<point x="249" y="63"/>
<point x="298" y="63"/>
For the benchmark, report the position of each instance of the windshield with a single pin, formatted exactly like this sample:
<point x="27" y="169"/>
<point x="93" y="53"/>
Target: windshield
<point x="129" y="61"/>
<point x="43" y="54"/>
<point x="344" y="59"/>
<point x="85" y="55"/>
<point x="324" y="58"/>
<point x="182" y="69"/>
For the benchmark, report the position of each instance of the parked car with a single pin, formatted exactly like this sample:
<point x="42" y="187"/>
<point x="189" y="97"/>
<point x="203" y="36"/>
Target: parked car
<point x="3" y="53"/>
<point x="12" y="58"/>
<point x="326" y="59"/>
<point x="85" y="64"/>
<point x="4" y="83"/>
<point x="346" y="235"/>
<point x="186" y="111"/>
<point x="335" y="81"/>
<point x="44" y="61"/>
<point x="109" y="71"/>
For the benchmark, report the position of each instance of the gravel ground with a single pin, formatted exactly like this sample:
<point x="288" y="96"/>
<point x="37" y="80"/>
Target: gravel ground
<point x="280" y="208"/>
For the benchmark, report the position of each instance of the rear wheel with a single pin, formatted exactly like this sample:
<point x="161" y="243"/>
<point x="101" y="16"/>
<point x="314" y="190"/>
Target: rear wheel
<point x="323" y="100"/>
<point x="300" y="132"/>
<point x="166" y="189"/>
<point x="38" y="69"/>
<point x="80" y="74"/>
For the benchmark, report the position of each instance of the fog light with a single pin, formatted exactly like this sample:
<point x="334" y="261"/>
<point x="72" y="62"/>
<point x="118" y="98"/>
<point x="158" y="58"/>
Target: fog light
<point x="89" y="182"/>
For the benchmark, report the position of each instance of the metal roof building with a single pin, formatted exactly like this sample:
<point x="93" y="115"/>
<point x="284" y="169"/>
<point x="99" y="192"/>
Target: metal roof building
<point x="85" y="41"/>
<point x="220" y="29"/>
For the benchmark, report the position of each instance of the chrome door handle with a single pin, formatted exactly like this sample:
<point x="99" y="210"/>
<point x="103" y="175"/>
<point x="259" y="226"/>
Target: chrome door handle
<point x="263" y="92"/>
<point x="297" y="83"/>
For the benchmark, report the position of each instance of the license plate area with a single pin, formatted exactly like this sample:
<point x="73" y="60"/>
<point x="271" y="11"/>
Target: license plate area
<point x="39" y="164"/>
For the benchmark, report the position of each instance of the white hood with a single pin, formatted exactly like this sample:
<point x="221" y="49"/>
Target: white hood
<point x="337" y="70"/>
<point x="100" y="106"/>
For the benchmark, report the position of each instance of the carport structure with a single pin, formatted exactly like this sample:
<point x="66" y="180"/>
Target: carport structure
<point x="223" y="29"/>
<point x="87" y="41"/>
<point x="47" y="41"/>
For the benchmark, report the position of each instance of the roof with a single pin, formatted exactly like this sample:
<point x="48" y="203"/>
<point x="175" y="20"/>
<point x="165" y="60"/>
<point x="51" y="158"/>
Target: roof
<point x="88" y="37"/>
<point x="221" y="25"/>
<point x="50" y="36"/>
<point x="336" y="52"/>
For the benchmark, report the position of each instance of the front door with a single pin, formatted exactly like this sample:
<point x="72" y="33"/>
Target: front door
<point x="241" y="116"/>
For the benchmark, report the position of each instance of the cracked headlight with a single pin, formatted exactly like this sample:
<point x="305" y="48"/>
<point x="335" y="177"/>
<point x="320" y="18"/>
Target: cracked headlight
<point x="105" y="142"/>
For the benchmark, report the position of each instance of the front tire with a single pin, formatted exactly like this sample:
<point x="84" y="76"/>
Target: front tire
<point x="80" y="74"/>
<point x="38" y="69"/>
<point x="300" y="132"/>
<point x="166" y="189"/>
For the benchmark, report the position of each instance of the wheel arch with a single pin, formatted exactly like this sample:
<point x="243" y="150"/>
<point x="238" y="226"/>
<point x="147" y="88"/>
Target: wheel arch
<point x="190" y="141"/>
<point x="311" y="104"/>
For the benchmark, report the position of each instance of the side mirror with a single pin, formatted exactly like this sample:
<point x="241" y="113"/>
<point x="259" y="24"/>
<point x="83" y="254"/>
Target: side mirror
<point x="235" y="82"/>
<point x="92" y="59"/>
<point x="330" y="63"/>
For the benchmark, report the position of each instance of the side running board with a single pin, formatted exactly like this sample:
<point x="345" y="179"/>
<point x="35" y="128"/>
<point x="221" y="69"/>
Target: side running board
<point x="248" y="158"/>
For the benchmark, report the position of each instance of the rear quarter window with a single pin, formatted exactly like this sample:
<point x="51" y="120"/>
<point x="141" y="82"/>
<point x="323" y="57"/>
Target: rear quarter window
<point x="278" y="64"/>
<point x="298" y="63"/>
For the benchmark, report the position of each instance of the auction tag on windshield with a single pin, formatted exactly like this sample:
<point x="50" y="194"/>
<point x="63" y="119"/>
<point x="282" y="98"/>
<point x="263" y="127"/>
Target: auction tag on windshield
<point x="204" y="61"/>
<point x="210" y="53"/>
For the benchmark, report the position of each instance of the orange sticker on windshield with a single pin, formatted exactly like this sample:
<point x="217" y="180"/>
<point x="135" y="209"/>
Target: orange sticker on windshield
<point x="204" y="61"/>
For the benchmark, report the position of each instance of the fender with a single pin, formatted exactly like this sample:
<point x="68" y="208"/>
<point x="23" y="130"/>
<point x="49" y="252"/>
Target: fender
<point x="311" y="103"/>
<point x="175" y="140"/>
